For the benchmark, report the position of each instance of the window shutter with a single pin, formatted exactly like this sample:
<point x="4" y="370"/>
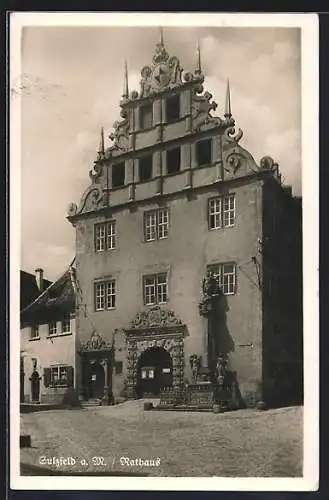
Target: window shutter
<point x="46" y="377"/>
<point x="70" y="379"/>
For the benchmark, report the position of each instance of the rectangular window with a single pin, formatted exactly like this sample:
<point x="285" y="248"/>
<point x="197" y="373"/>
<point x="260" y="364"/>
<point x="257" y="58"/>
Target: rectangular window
<point x="156" y="224"/>
<point x="203" y="152"/>
<point x="110" y="295"/>
<point x="163" y="223"/>
<point x="58" y="376"/>
<point x="52" y="328"/>
<point x="105" y="236"/>
<point x="105" y="295"/>
<point x="34" y="332"/>
<point x="118" y="174"/>
<point x="226" y="275"/>
<point x="145" y="168"/>
<point x="146" y="116"/>
<point x="150" y="225"/>
<point x="221" y="211"/>
<point x="66" y="324"/>
<point x="173" y="108"/>
<point x="155" y="289"/>
<point x="173" y="160"/>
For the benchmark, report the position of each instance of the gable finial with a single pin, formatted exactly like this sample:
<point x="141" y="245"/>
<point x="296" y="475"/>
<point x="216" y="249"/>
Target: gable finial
<point x="125" y="83"/>
<point x="161" y="36"/>
<point x="228" y="111"/>
<point x="198" y="59"/>
<point x="101" y="149"/>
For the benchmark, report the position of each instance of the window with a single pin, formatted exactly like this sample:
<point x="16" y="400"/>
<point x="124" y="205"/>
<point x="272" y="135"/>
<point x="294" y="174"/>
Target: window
<point x="156" y="224"/>
<point x="105" y="294"/>
<point x="52" y="328"/>
<point x="105" y="236"/>
<point x="118" y="367"/>
<point x="173" y="160"/>
<point x="35" y="332"/>
<point x="145" y="168"/>
<point x="221" y="211"/>
<point x="226" y="275"/>
<point x="146" y="116"/>
<point x="66" y="324"/>
<point x="203" y="152"/>
<point x="118" y="174"/>
<point x="173" y="108"/>
<point x="155" y="289"/>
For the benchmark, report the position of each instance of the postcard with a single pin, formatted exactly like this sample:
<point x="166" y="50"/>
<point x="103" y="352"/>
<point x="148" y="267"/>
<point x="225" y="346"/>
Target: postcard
<point x="164" y="239"/>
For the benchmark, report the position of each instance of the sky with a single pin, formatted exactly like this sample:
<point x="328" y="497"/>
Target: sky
<point x="71" y="85"/>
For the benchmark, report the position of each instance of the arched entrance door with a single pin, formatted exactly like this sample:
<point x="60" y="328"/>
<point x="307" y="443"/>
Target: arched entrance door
<point x="96" y="381"/>
<point x="154" y="371"/>
<point x="35" y="387"/>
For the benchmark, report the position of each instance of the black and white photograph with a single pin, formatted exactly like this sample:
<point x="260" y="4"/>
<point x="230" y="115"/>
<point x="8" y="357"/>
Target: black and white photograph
<point x="164" y="251"/>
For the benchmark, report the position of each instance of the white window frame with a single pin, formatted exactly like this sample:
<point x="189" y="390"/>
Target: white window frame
<point x="163" y="223"/>
<point x="105" y="295"/>
<point x="156" y="224"/>
<point x="105" y="236"/>
<point x="228" y="210"/>
<point x="155" y="289"/>
<point x="150" y="225"/>
<point x="110" y="294"/>
<point x="52" y="328"/>
<point x="66" y="324"/>
<point x="56" y="376"/>
<point x="222" y="210"/>
<point x="226" y="280"/>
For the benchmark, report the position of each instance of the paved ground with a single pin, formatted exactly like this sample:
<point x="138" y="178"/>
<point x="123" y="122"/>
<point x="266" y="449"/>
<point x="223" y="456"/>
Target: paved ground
<point x="241" y="443"/>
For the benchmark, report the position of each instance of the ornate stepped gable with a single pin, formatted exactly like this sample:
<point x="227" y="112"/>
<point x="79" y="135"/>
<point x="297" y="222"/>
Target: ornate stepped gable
<point x="166" y="74"/>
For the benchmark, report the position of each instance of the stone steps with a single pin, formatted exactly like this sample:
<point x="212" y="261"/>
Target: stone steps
<point x="90" y="402"/>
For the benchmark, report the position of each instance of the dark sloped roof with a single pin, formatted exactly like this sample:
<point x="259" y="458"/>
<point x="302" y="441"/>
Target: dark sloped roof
<point x="29" y="289"/>
<point x="57" y="299"/>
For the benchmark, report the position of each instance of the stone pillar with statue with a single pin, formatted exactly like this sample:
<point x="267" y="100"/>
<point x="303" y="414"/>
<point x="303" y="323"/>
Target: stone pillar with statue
<point x="213" y="308"/>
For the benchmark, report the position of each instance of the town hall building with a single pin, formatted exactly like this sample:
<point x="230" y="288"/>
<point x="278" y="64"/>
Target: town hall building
<point x="173" y="200"/>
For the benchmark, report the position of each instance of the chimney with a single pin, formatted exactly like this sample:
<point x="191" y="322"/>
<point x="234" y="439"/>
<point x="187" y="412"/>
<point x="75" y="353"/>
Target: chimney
<point x="39" y="278"/>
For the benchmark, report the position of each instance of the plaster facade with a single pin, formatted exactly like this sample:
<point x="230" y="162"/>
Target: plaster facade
<point x="190" y="245"/>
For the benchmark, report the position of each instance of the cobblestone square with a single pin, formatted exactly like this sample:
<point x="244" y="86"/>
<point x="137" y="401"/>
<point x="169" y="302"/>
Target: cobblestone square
<point x="244" y="443"/>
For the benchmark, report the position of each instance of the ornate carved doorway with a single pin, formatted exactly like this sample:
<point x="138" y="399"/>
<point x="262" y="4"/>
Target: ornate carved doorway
<point x="154" y="371"/>
<point x="96" y="369"/>
<point x="155" y="330"/>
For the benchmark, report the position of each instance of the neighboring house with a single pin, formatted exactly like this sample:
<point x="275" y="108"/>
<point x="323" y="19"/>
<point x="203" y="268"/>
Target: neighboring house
<point x="48" y="336"/>
<point x="177" y="196"/>
<point x="31" y="286"/>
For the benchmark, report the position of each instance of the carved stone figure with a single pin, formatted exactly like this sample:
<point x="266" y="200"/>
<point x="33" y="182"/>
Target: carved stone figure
<point x="195" y="363"/>
<point x="221" y="370"/>
<point x="161" y="55"/>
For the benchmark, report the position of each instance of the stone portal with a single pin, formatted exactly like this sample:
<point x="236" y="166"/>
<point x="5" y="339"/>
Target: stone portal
<point x="97" y="364"/>
<point x="157" y="336"/>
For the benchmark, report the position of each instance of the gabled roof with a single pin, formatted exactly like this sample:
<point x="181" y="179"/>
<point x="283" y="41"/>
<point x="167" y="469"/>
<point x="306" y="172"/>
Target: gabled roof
<point x="29" y="289"/>
<point x="57" y="299"/>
